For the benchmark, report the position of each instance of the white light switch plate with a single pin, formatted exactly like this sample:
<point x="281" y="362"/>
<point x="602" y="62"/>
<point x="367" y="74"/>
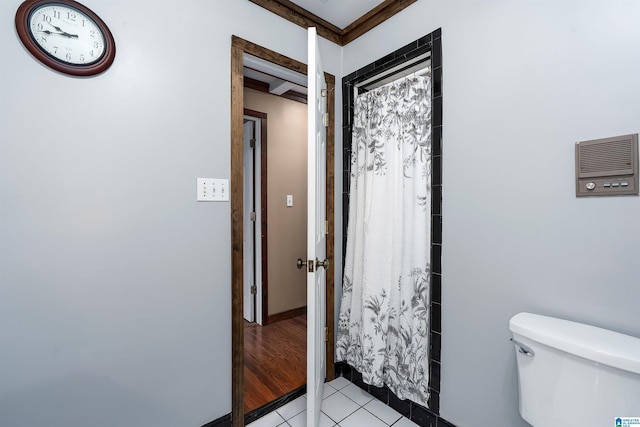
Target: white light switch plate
<point x="212" y="190"/>
<point x="289" y="200"/>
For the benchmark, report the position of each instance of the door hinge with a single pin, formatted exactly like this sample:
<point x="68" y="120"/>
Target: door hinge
<point x="252" y="143"/>
<point x="252" y="216"/>
<point x="325" y="119"/>
<point x="326" y="227"/>
<point x="324" y="93"/>
<point x="254" y="289"/>
<point x="326" y="333"/>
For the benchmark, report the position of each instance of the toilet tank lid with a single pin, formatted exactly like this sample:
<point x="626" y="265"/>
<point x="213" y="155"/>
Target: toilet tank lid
<point x="589" y="342"/>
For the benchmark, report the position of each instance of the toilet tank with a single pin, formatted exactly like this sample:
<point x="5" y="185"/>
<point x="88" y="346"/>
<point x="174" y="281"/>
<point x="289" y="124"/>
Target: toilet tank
<point x="571" y="374"/>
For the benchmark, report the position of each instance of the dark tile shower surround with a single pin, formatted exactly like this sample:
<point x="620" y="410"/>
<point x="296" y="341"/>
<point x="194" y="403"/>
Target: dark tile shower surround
<point x="428" y="417"/>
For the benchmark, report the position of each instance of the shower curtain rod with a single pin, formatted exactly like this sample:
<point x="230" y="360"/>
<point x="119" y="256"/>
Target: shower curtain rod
<point x="415" y="65"/>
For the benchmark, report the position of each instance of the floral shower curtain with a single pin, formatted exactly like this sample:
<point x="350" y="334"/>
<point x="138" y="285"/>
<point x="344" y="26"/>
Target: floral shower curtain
<point x="383" y="328"/>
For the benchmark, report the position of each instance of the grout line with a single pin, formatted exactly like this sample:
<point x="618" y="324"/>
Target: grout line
<point x="349" y="397"/>
<point x="334" y="421"/>
<point x="381" y="418"/>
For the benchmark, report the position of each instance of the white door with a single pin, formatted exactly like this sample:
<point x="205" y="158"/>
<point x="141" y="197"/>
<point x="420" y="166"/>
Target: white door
<point x="248" y="240"/>
<point x="316" y="231"/>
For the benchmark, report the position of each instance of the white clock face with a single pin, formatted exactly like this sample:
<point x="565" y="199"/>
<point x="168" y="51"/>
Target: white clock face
<point x="67" y="34"/>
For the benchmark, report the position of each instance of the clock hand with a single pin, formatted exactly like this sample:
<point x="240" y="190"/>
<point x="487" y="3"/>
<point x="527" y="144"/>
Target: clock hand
<point x="62" y="32"/>
<point x="59" y="34"/>
<point x="49" y="32"/>
<point x="71" y="36"/>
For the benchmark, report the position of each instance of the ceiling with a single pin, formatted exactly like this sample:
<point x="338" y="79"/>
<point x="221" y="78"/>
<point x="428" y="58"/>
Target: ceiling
<point x="340" y="13"/>
<point x="340" y="21"/>
<point x="278" y="80"/>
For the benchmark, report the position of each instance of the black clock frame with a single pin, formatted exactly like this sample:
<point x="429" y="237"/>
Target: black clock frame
<point x="91" y="69"/>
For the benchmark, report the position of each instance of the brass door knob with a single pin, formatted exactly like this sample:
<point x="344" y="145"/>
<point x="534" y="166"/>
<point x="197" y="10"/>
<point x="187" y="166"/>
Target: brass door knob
<point x="324" y="263"/>
<point x="300" y="263"/>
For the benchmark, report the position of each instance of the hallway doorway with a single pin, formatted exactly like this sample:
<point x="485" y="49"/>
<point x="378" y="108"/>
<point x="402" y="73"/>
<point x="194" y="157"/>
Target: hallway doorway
<point x="274" y="171"/>
<point x="241" y="47"/>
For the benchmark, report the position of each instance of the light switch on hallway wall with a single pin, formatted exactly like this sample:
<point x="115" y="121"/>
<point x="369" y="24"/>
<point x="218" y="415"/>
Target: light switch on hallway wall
<point x="289" y="200"/>
<point x="212" y="190"/>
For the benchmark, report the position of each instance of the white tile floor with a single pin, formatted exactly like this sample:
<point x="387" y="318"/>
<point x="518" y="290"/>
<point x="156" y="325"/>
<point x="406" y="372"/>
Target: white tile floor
<point x="343" y="405"/>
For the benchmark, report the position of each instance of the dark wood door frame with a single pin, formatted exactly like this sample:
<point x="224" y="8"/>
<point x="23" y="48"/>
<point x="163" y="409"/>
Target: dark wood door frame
<point x="238" y="48"/>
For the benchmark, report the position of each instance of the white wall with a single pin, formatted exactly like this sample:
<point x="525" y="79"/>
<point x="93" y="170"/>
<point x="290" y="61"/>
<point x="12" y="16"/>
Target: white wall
<point x="114" y="281"/>
<point x="523" y="81"/>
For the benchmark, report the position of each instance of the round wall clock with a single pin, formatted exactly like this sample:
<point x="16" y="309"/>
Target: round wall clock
<point x="65" y="36"/>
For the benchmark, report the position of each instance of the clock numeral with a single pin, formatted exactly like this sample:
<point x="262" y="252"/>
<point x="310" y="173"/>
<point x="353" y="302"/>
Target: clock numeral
<point x="44" y="39"/>
<point x="81" y="58"/>
<point x="71" y="16"/>
<point x="40" y="27"/>
<point x="92" y="33"/>
<point x="96" y="44"/>
<point x="68" y="56"/>
<point x="56" y="14"/>
<point x="46" y="18"/>
<point x="55" y="49"/>
<point x="83" y="21"/>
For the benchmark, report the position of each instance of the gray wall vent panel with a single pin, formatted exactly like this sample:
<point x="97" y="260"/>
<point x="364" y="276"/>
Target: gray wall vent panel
<point x="607" y="167"/>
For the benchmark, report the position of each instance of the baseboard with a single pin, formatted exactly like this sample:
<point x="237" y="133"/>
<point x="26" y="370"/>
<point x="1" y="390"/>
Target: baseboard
<point x="267" y="408"/>
<point x="289" y="314"/>
<point x="249" y="417"/>
<point x="223" y="421"/>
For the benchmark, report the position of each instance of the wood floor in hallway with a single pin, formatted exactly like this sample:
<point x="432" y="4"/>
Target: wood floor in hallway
<point x="275" y="360"/>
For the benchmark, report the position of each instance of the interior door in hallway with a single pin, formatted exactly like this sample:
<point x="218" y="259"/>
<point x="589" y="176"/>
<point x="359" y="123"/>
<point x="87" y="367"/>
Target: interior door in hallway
<point x="316" y="230"/>
<point x="249" y="236"/>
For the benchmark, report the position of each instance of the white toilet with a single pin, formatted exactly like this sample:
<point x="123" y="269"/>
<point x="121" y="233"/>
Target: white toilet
<point x="574" y="375"/>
